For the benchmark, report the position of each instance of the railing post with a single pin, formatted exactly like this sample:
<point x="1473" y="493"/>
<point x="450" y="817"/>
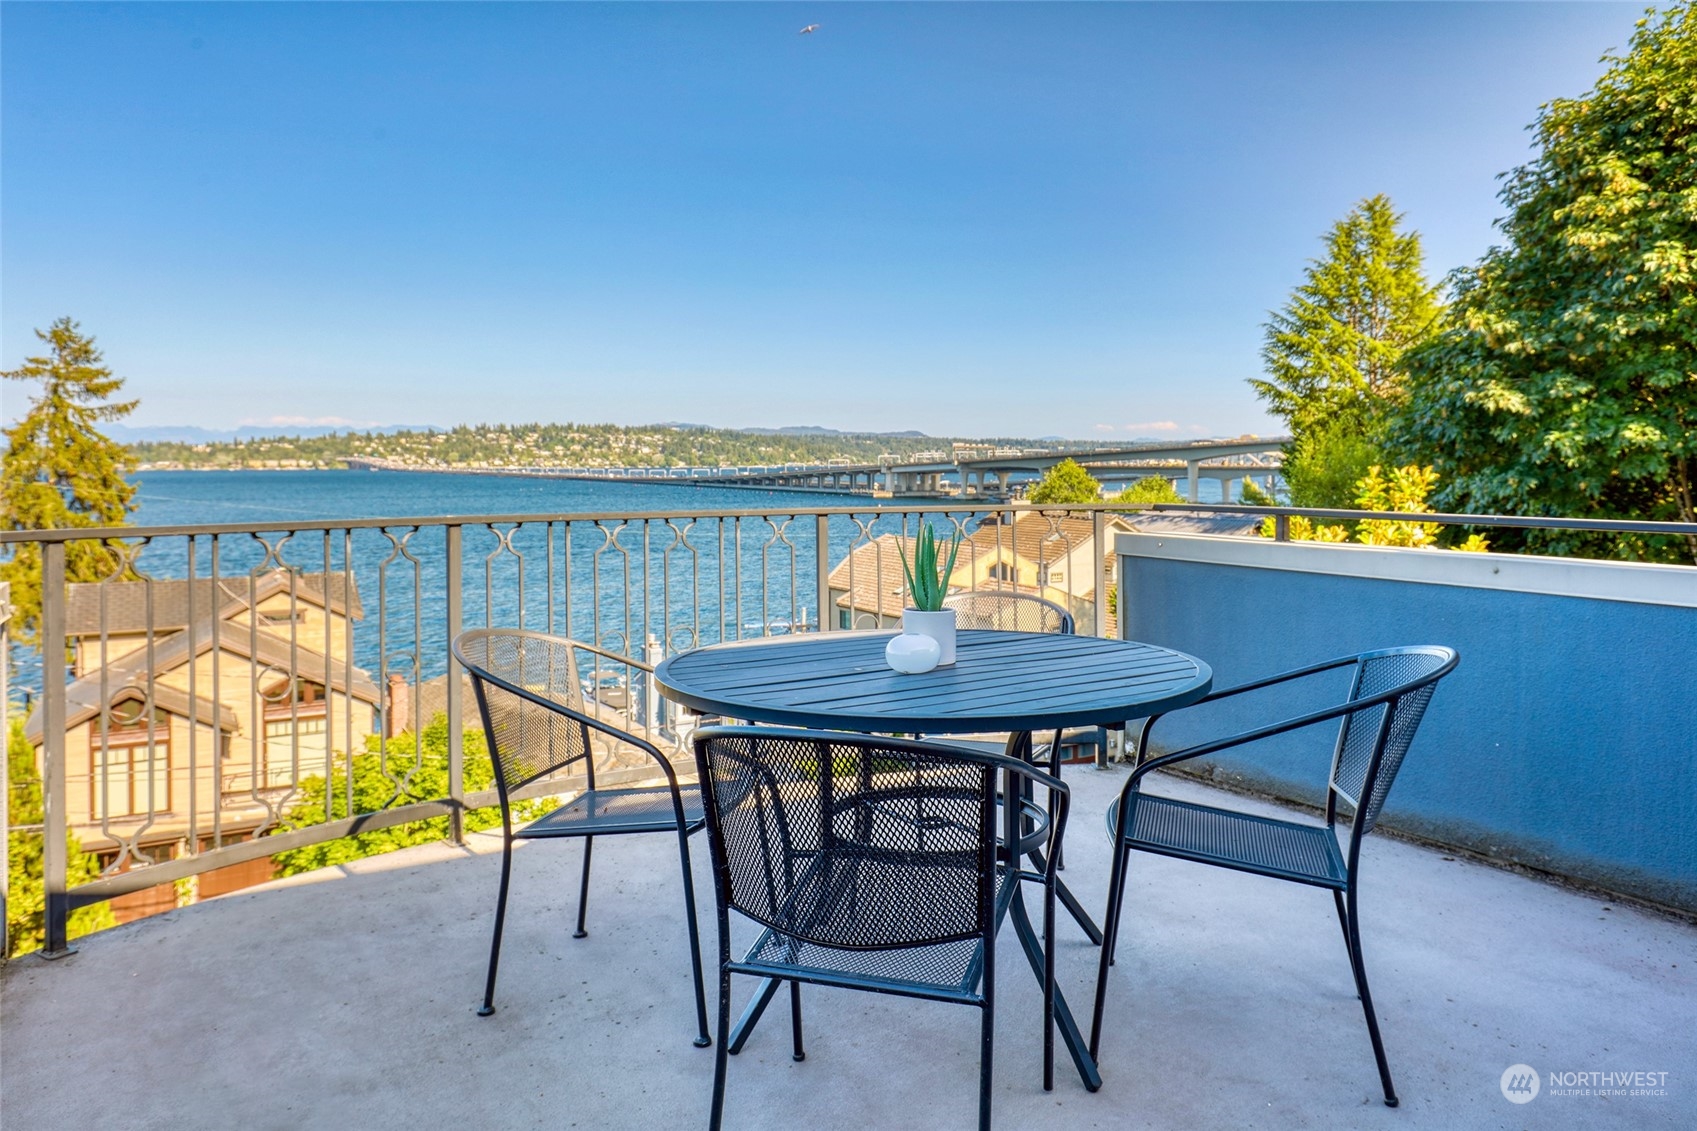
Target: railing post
<point x="55" y="860"/>
<point x="822" y="566"/>
<point x="1281" y="528"/>
<point x="455" y="709"/>
<point x="1099" y="536"/>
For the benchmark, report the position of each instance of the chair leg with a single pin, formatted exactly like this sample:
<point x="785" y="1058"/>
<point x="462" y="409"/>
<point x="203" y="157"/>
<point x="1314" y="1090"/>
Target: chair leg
<point x="987" y="1048"/>
<point x="1110" y="940"/>
<point x="500" y="919"/>
<point x="1352" y="933"/>
<point x="702" y="1040"/>
<point x="583" y="888"/>
<point x="797" y="1053"/>
<point x="1343" y="925"/>
<point x="716" y="1117"/>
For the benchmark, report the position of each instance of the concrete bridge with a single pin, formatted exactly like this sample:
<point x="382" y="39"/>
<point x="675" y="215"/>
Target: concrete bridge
<point x="965" y="472"/>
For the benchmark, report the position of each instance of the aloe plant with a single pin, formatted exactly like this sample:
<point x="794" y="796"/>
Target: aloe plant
<point x="926" y="584"/>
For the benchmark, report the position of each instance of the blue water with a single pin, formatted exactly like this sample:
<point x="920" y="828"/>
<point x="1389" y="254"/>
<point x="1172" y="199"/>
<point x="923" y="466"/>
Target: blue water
<point x="627" y="583"/>
<point x="179" y="498"/>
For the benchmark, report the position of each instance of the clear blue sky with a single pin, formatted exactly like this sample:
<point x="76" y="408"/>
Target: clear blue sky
<point x="969" y="219"/>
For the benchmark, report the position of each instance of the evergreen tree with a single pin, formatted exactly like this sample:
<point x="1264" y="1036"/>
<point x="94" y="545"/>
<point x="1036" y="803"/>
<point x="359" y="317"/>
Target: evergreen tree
<point x="1331" y="354"/>
<point x="59" y="470"/>
<point x="1066" y="482"/>
<point x="1563" y="380"/>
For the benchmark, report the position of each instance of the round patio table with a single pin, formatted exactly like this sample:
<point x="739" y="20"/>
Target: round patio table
<point x="1018" y="682"/>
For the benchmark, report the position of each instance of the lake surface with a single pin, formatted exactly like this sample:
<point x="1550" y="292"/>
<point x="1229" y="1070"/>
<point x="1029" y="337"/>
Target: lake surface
<point x="646" y="581"/>
<point x="635" y="581"/>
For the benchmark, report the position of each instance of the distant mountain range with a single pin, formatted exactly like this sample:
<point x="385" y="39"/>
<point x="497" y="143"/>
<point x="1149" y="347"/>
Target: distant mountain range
<point x="187" y="434"/>
<point x="792" y="430"/>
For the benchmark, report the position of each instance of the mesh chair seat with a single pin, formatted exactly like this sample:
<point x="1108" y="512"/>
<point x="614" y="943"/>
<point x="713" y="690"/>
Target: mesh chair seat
<point x="610" y="811"/>
<point x="942" y="970"/>
<point x="1290" y="850"/>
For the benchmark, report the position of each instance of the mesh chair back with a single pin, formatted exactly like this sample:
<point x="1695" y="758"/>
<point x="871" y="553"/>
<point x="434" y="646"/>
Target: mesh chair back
<point x="521" y="678"/>
<point x="1371" y="746"/>
<point x="1009" y="612"/>
<point x="850" y="842"/>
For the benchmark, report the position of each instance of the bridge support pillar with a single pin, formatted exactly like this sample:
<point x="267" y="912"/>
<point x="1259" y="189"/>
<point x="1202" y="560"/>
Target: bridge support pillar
<point x="1193" y="481"/>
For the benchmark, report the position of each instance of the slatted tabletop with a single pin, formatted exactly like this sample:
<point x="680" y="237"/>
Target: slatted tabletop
<point x="1000" y="681"/>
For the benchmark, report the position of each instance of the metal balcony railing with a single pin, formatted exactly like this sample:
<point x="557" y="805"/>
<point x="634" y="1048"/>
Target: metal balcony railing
<point x="185" y="704"/>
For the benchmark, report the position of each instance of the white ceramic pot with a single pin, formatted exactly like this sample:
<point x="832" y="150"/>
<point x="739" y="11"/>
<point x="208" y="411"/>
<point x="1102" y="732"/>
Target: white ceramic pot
<point x="910" y="654"/>
<point x="939" y="626"/>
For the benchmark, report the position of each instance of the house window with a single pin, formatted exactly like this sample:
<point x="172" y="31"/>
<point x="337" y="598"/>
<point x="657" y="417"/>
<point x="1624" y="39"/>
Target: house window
<point x="297" y="734"/>
<point x="1001" y="571"/>
<point x="130" y="765"/>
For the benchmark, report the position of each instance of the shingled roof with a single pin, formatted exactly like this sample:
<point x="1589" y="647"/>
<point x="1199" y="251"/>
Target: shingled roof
<point x="877" y="580"/>
<point x="266" y="650"/>
<point x="1035" y="537"/>
<point x="126" y="601"/>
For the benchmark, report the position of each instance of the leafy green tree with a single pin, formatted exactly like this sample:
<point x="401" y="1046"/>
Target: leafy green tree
<point x="1400" y="489"/>
<point x="26" y="896"/>
<point x="1332" y="351"/>
<point x="1152" y="489"/>
<point x="1323" y="466"/>
<point x="59" y="470"/>
<point x="1066" y="482"/>
<point x="1254" y="496"/>
<point x="1563" y="381"/>
<point x="422" y="767"/>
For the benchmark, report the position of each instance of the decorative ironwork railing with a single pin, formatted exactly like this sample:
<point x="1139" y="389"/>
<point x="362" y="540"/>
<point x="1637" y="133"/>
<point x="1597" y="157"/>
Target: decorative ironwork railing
<point x="227" y="692"/>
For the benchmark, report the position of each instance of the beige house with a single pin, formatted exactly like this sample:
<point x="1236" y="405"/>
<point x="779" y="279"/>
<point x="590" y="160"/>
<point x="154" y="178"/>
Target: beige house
<point x="204" y="696"/>
<point x="868" y="589"/>
<point x="1053" y="557"/>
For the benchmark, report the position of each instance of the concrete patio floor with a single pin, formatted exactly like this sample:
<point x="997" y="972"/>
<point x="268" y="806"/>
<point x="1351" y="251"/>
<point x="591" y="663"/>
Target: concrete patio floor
<point x="346" y="999"/>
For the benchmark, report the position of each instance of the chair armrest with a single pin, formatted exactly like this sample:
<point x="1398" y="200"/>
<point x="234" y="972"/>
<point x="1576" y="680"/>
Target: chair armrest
<point x="617" y="657"/>
<point x="1296" y="722"/>
<point x="1252" y="685"/>
<point x="594" y="724"/>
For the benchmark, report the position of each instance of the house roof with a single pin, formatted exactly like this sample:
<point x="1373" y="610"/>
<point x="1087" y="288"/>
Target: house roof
<point x="871" y="576"/>
<point x="1035" y="537"/>
<point x="127" y="601"/>
<point x="132" y="672"/>
<point x="1196" y="522"/>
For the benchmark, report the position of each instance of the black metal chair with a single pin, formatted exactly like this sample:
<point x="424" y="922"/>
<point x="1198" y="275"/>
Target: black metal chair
<point x="536" y="722"/>
<point x="1006" y="610"/>
<point x="873" y="864"/>
<point x="1387" y="697"/>
<point x="1009" y="611"/>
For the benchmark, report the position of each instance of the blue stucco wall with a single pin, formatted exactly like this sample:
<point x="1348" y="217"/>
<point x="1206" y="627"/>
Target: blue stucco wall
<point x="1566" y="740"/>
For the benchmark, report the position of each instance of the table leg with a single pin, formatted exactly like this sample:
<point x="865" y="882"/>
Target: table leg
<point x="1019" y="746"/>
<point x="1070" y="1034"/>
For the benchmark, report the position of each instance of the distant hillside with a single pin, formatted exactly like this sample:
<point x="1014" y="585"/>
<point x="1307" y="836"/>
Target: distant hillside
<point x="188" y="434"/>
<point x="563" y="445"/>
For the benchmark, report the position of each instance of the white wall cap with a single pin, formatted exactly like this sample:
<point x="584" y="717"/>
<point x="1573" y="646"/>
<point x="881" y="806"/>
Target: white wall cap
<point x="1636" y="582"/>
